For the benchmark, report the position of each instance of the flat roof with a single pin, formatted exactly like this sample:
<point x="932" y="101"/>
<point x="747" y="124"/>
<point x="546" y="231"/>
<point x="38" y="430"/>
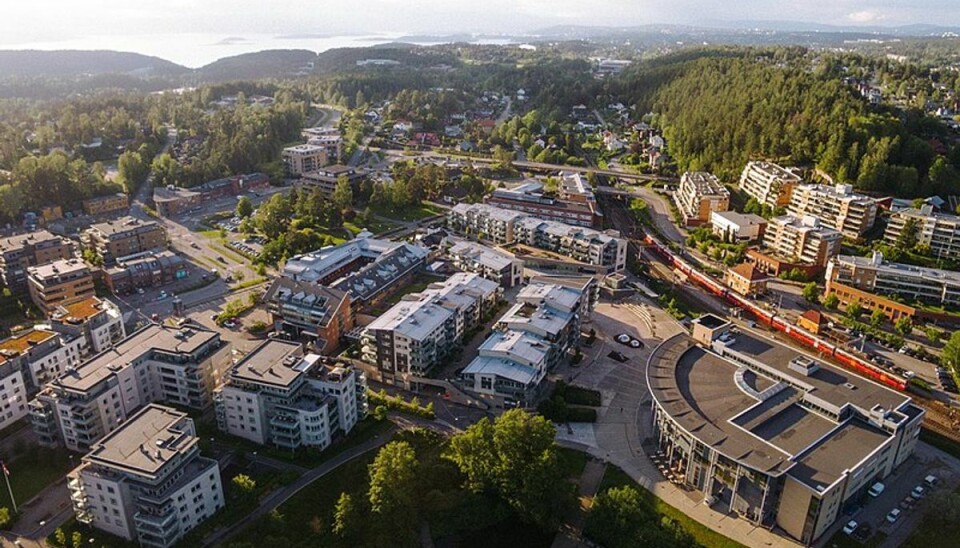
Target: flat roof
<point x="57" y="268"/>
<point x="756" y="415"/>
<point x="146" y="442"/>
<point x="501" y="367"/>
<point x="151" y="337"/>
<point x="20" y="240"/>
<point x="79" y="311"/>
<point x="121" y="225"/>
<point x="272" y="362"/>
<point x="25" y="341"/>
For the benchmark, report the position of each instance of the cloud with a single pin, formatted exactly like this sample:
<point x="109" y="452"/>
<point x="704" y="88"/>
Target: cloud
<point x="866" y="16"/>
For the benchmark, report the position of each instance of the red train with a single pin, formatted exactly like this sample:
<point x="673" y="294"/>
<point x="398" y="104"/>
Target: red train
<point x="803" y="336"/>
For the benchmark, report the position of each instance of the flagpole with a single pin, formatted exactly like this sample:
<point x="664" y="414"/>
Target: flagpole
<point x="6" y="477"/>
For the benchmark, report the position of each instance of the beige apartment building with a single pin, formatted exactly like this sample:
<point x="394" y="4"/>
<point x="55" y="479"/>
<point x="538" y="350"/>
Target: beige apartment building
<point x="769" y="183"/>
<point x="59" y="283"/>
<point x="700" y="193"/>
<point x="123" y="237"/>
<point x="836" y="206"/>
<point x="32" y="249"/>
<point x="803" y="240"/>
<point x="301" y="159"/>
<point x="938" y="230"/>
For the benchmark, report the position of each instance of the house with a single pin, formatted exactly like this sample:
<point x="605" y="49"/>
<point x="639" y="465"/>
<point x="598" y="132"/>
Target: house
<point x="746" y="280"/>
<point x="811" y="320"/>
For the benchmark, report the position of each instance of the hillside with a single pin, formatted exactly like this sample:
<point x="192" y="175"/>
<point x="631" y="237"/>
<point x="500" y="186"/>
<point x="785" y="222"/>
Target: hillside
<point x="254" y="66"/>
<point x="30" y="63"/>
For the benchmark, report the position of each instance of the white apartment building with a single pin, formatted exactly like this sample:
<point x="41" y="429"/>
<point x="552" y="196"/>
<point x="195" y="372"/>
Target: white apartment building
<point x="488" y="262"/>
<point x="276" y="395"/>
<point x="733" y="227"/>
<point x="156" y="364"/>
<point x="13" y="394"/>
<point x="301" y="159"/>
<point x="836" y="206"/>
<point x="802" y="240"/>
<point x="42" y="355"/>
<point x="488" y="222"/>
<point x="147" y="482"/>
<point x="530" y="339"/>
<point x="938" y="230"/>
<point x="699" y="194"/>
<point x="415" y="334"/>
<point x="97" y="321"/>
<point x="769" y="183"/>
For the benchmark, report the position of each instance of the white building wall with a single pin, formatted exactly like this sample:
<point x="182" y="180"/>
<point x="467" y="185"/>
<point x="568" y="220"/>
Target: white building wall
<point x="13" y="399"/>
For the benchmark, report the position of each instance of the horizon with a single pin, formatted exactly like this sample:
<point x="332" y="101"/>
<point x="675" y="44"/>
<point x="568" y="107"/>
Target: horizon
<point x="194" y="33"/>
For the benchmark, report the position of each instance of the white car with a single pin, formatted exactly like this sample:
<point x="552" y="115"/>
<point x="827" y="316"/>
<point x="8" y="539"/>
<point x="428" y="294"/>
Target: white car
<point x="850" y="527"/>
<point x="876" y="489"/>
<point x="918" y="492"/>
<point x="930" y="480"/>
<point x="894" y="515"/>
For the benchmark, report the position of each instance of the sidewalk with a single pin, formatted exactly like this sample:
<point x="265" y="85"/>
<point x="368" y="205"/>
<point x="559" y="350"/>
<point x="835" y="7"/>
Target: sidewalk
<point x="571" y="532"/>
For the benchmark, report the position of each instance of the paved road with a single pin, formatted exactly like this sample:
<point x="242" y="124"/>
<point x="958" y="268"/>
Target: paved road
<point x="279" y="497"/>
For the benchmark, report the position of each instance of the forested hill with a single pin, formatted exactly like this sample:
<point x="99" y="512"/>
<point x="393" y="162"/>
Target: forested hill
<point x="30" y="63"/>
<point x="718" y="112"/>
<point x="254" y="66"/>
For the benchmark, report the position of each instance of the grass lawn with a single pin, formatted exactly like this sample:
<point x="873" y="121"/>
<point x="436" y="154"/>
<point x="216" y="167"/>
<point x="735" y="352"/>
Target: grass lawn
<point x="411" y="213"/>
<point x="615" y="477"/>
<point x="236" y="257"/>
<point x="572" y="462"/>
<point x="100" y="539"/>
<point x="35" y="470"/>
<point x="375" y="226"/>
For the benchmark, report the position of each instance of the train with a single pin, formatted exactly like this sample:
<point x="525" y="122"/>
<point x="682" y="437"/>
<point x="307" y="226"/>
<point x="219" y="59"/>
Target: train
<point x="775" y="322"/>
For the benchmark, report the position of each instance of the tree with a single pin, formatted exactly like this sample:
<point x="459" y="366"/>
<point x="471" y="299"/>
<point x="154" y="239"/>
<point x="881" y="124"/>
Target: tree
<point x="615" y="516"/>
<point x="343" y="193"/>
<point x="811" y="292"/>
<point x="933" y="334"/>
<point x="380" y="412"/>
<point x="132" y="170"/>
<point x="393" y="490"/>
<point x="76" y="539"/>
<point x="854" y="309"/>
<point x="831" y="301"/>
<point x="903" y="325"/>
<point x="4" y="517"/>
<point x="516" y="457"/>
<point x="950" y="356"/>
<point x="907" y="239"/>
<point x="877" y="318"/>
<point x="244" y="483"/>
<point x="346" y="517"/>
<point x="244" y="207"/>
<point x="60" y="537"/>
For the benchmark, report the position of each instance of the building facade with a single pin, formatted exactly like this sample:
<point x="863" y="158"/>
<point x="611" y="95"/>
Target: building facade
<point x="147" y="482"/>
<point x="572" y="203"/>
<point x="320" y="314"/>
<point x="102" y="205"/>
<point x="17" y="253"/>
<point x="769" y="183"/>
<point x="733" y="227"/>
<point x="939" y="231"/>
<point x="115" y="240"/>
<point x="97" y="321"/>
<point x="156" y="364"/>
<point x="13" y="393"/>
<point x="699" y="194"/>
<point x="58" y="283"/>
<point x="278" y="396"/>
<point x="803" y="240"/>
<point x="325" y="178"/>
<point x="774" y="435"/>
<point x="837" y="207"/>
<point x="145" y="270"/>
<point x="746" y="280"/>
<point x="488" y="262"/>
<point x="301" y="159"/>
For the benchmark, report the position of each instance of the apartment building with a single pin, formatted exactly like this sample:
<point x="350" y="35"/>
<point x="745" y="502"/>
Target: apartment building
<point x="319" y="314"/>
<point x="488" y="262"/>
<point x="699" y="194"/>
<point x="803" y="240"/>
<point x="503" y="226"/>
<point x="837" y="207"/>
<point x="326" y="178"/>
<point x="41" y="355"/>
<point x="145" y="270"/>
<point x="115" y="240"/>
<point x="333" y="144"/>
<point x="102" y="205"/>
<point x="733" y="227"/>
<point x="301" y="159"/>
<point x="17" y="253"/>
<point x="278" y="396"/>
<point x="769" y="183"/>
<point x="414" y="335"/>
<point x="529" y="340"/>
<point x="156" y="364"/>
<point x="60" y="282"/>
<point x="147" y="482"/>
<point x="484" y="221"/>
<point x="13" y="393"/>
<point x="939" y="231"/>
<point x="98" y="322"/>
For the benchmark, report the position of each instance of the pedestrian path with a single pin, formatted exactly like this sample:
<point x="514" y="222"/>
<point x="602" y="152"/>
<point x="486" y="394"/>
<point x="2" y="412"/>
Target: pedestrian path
<point x="571" y="532"/>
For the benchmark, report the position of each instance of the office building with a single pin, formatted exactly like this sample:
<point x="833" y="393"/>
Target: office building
<point x="301" y="159"/>
<point x="303" y="310"/>
<point x="115" y="240"/>
<point x="776" y="436"/>
<point x="60" y="282"/>
<point x="488" y="262"/>
<point x="939" y="231"/>
<point x="733" y="227"/>
<point x="769" y="183"/>
<point x="803" y="240"/>
<point x="414" y="335"/>
<point x="699" y="194"/>
<point x="837" y="207"/>
<point x="26" y="250"/>
<point x="146" y="482"/>
<point x="156" y="364"/>
<point x="278" y="396"/>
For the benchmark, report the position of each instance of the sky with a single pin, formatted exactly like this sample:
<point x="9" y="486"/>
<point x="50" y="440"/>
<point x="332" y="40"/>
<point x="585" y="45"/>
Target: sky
<point x="129" y="24"/>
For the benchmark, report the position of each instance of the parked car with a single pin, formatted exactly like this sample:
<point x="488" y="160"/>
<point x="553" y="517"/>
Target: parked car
<point x="876" y="489"/>
<point x="850" y="527"/>
<point x="894" y="515"/>
<point x="931" y="481"/>
<point x="918" y="492"/>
